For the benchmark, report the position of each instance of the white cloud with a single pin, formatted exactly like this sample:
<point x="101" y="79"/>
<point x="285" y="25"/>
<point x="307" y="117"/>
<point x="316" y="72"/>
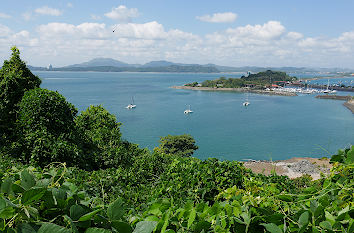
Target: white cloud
<point x="4" y="31"/>
<point x="269" y="30"/>
<point x="4" y="16"/>
<point x="227" y="17"/>
<point x="268" y="44"/>
<point x="122" y="13"/>
<point x="70" y="5"/>
<point x="294" y="35"/>
<point x="151" y="30"/>
<point x="45" y="10"/>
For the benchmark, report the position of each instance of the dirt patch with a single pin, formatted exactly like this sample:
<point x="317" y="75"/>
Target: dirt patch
<point x="293" y="168"/>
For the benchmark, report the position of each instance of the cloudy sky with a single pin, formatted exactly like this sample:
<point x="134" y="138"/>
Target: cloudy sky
<point x="311" y="33"/>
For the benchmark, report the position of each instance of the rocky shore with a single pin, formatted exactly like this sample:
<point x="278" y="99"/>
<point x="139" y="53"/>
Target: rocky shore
<point x="350" y="105"/>
<point x="349" y="100"/>
<point x="282" y="93"/>
<point x="293" y="168"/>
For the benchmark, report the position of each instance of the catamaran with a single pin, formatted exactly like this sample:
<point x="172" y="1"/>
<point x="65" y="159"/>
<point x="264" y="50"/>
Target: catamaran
<point x="132" y="105"/>
<point x="187" y="111"/>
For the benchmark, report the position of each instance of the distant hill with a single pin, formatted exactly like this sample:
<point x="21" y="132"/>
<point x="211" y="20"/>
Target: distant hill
<point x="112" y="65"/>
<point x="102" y="62"/>
<point x="172" y="68"/>
<point x="159" y="64"/>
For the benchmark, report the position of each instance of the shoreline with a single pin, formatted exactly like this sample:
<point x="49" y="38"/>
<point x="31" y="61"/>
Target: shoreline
<point x="281" y="93"/>
<point x="293" y="168"/>
<point x="350" y="105"/>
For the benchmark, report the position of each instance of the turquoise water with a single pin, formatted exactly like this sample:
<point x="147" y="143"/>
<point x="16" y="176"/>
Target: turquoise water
<point x="271" y="127"/>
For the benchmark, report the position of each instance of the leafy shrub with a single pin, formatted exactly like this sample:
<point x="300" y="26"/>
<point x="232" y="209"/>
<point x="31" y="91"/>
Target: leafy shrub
<point x="47" y="131"/>
<point x="180" y="145"/>
<point x="103" y="136"/>
<point x="344" y="156"/>
<point x="15" y="80"/>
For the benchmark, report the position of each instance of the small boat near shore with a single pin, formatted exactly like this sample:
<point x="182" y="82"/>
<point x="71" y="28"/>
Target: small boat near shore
<point x="246" y="103"/>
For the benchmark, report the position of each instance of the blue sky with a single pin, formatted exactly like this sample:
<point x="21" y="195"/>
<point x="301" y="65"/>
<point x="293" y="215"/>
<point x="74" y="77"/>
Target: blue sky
<point x="235" y="33"/>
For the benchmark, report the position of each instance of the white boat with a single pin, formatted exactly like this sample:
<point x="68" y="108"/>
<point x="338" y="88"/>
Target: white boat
<point x="246" y="103"/>
<point x="327" y="91"/>
<point x="187" y="111"/>
<point x="132" y="105"/>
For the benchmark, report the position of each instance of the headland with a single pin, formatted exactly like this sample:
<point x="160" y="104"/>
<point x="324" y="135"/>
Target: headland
<point x="241" y="89"/>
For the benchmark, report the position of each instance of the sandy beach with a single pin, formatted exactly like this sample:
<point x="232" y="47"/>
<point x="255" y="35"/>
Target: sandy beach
<point x="282" y="93"/>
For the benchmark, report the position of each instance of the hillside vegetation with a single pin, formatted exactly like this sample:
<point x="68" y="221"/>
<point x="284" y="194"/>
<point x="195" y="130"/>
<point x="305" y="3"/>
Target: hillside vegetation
<point x="65" y="172"/>
<point x="258" y="80"/>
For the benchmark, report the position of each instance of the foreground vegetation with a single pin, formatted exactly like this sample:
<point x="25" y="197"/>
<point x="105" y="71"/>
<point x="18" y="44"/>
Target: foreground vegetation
<point x="64" y="172"/>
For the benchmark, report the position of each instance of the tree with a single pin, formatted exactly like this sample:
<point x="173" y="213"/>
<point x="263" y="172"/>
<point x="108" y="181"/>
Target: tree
<point x="46" y="130"/>
<point x="15" y="80"/>
<point x="181" y="145"/>
<point x="101" y="130"/>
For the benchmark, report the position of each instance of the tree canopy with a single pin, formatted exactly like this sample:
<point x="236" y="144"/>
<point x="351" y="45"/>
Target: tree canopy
<point x="181" y="145"/>
<point x="15" y="80"/>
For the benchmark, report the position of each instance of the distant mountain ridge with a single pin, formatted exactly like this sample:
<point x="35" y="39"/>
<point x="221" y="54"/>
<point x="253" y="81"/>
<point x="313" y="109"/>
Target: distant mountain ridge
<point x="112" y="65"/>
<point x="103" y="62"/>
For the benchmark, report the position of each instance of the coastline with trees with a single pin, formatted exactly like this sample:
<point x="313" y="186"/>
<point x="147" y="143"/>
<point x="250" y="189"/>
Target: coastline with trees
<point x="70" y="172"/>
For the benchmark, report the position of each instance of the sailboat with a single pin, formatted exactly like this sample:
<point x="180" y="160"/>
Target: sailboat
<point x="132" y="105"/>
<point x="246" y="103"/>
<point x="327" y="90"/>
<point x="187" y="111"/>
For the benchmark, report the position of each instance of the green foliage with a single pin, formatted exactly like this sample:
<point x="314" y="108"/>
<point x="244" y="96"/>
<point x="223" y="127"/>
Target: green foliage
<point x="259" y="80"/>
<point x="46" y="129"/>
<point x="52" y="204"/>
<point x="15" y="80"/>
<point x="103" y="138"/>
<point x="74" y="200"/>
<point x="180" y="145"/>
<point x="269" y="76"/>
<point x="344" y="156"/>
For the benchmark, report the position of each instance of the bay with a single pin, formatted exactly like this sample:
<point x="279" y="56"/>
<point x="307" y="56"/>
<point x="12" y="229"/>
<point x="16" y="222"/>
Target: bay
<point x="272" y="127"/>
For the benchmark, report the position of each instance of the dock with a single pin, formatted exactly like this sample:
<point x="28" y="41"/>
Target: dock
<point x="335" y="97"/>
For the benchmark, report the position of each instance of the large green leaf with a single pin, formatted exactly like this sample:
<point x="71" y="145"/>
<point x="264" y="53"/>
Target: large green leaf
<point x="25" y="228"/>
<point x="6" y="186"/>
<point x="70" y="222"/>
<point x="76" y="211"/>
<point x="145" y="227"/>
<point x="271" y="227"/>
<point x="2" y="203"/>
<point x="88" y="216"/>
<point x="303" y="221"/>
<point x="27" y="180"/>
<point x="32" y="195"/>
<point x="191" y="218"/>
<point x="2" y="224"/>
<point x="97" y="230"/>
<point x="52" y="228"/>
<point x="326" y="225"/>
<point x="116" y="210"/>
<point x="122" y="227"/>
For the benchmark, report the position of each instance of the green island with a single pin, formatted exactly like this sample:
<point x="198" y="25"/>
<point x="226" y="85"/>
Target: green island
<point x="65" y="172"/>
<point x="259" y="80"/>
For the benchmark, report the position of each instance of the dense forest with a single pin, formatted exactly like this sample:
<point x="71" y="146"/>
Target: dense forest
<point x="69" y="172"/>
<point x="258" y="80"/>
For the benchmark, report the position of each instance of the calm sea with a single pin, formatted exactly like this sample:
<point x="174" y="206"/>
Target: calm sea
<point x="271" y="127"/>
